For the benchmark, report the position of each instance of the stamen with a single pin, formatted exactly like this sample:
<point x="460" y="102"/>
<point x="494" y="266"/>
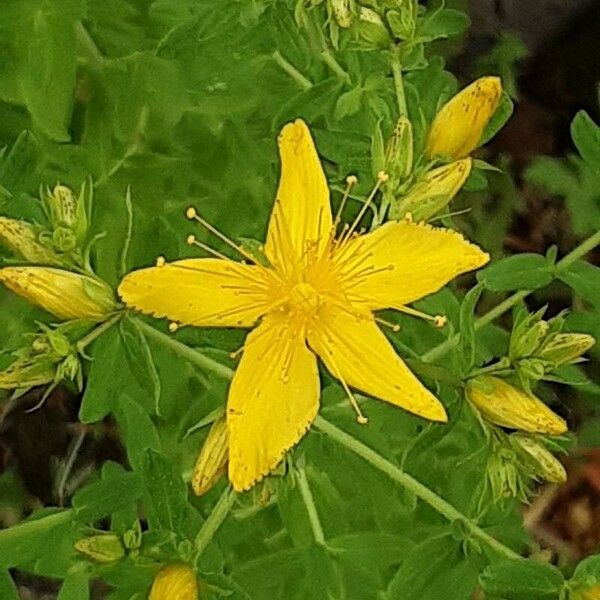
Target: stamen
<point x="192" y="214"/>
<point x="160" y="261"/>
<point x="437" y="320"/>
<point x="237" y="352"/>
<point x="393" y="326"/>
<point x="192" y="241"/>
<point x="173" y="326"/>
<point x="351" y="181"/>
<point x="382" y="177"/>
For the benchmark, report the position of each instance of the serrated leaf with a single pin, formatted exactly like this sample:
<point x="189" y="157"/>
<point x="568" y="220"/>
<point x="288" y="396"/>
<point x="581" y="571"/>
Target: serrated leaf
<point x="520" y="272"/>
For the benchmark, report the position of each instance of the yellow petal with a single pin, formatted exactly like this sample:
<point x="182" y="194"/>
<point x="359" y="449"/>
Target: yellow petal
<point x="399" y="263"/>
<point x="175" y="582"/>
<point x="301" y="221"/>
<point x="458" y="126"/>
<point x="65" y="294"/>
<point x="205" y="292"/>
<point x="273" y="399"/>
<point x="355" y="350"/>
<point x="507" y="406"/>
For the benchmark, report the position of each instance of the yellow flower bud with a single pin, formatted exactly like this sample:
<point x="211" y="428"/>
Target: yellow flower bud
<point x="27" y="373"/>
<point x="545" y="465"/>
<point x="507" y="406"/>
<point x="399" y="152"/>
<point x="102" y="548"/>
<point x="564" y="348"/>
<point x="20" y="238"/>
<point x="212" y="460"/>
<point x="175" y="582"/>
<point x="433" y="193"/>
<point x="343" y="12"/>
<point x="458" y="126"/>
<point x="65" y="294"/>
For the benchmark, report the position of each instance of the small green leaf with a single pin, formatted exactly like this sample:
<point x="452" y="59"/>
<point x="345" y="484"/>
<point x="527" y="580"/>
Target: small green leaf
<point x="74" y="587"/>
<point x="348" y="104"/>
<point x="499" y="118"/>
<point x="520" y="272"/>
<point x="586" y="136"/>
<point x="443" y="23"/>
<point x="587" y="572"/>
<point x="8" y="590"/>
<point x="584" y="279"/>
<point x="522" y="580"/>
<point x="467" y="327"/>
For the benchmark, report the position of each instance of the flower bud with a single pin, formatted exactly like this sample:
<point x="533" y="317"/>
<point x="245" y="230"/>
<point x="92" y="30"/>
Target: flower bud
<point x="459" y="125"/>
<point x="212" y="460"/>
<point x="505" y="405"/>
<point x="565" y="348"/>
<point x="102" y="548"/>
<point x="21" y="238"/>
<point x="399" y="153"/>
<point x="175" y="582"/>
<point x="27" y="373"/>
<point x="527" y="336"/>
<point x="67" y="214"/>
<point x="433" y="193"/>
<point x="343" y="12"/>
<point x="372" y="29"/>
<point x="545" y="465"/>
<point x="65" y="294"/>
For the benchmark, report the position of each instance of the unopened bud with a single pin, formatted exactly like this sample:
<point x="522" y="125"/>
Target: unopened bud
<point x="27" y="373"/>
<point x="102" y="548"/>
<point x="212" y="460"/>
<point x="343" y="11"/>
<point x="458" y="126"/>
<point x="399" y="152"/>
<point x="505" y="405"/>
<point x="565" y="348"/>
<point x="544" y="464"/>
<point x="175" y="582"/>
<point x="433" y="193"/>
<point x="527" y="337"/>
<point x="21" y="238"/>
<point x="66" y="295"/>
<point x="372" y="29"/>
<point x="67" y="214"/>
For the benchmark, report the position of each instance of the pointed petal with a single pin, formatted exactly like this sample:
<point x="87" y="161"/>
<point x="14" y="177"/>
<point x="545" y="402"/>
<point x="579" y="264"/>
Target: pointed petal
<point x="399" y="263"/>
<point x="273" y="399"/>
<point x="205" y="292"/>
<point x="301" y="221"/>
<point x="354" y="349"/>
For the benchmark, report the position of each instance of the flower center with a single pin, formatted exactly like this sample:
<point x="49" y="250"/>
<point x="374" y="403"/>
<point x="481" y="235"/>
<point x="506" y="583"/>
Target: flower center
<point x="304" y="298"/>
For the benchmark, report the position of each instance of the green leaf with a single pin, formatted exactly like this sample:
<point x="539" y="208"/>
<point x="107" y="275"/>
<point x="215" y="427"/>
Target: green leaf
<point x="522" y="580"/>
<point x="520" y="272"/>
<point x="165" y="493"/>
<point x="8" y="589"/>
<point x="18" y="165"/>
<point x="442" y="23"/>
<point x="467" y="328"/>
<point x="348" y="104"/>
<point x="586" y="136"/>
<point x="587" y="572"/>
<point x="74" y="587"/>
<point x="115" y="489"/>
<point x="584" y="279"/>
<point x="499" y="118"/>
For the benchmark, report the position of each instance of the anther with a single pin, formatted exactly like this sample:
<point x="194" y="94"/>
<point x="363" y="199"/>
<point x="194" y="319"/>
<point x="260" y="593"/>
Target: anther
<point x="191" y="213"/>
<point x="383" y="176"/>
<point x="190" y="240"/>
<point x="160" y="261"/>
<point x="352" y="180"/>
<point x="173" y="326"/>
<point x="439" y="320"/>
<point x="408" y="217"/>
<point x="362" y="420"/>
<point x="393" y="326"/>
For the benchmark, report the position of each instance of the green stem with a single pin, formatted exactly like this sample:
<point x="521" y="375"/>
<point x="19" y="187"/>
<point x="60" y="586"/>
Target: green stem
<point x="302" y="81"/>
<point x="311" y="509"/>
<point x="13" y="536"/>
<point x="334" y="65"/>
<point x="398" y="81"/>
<point x="504" y="306"/>
<point x="214" y="521"/>
<point x="194" y="356"/>
<point x="418" y="489"/>
<point x="86" y="340"/>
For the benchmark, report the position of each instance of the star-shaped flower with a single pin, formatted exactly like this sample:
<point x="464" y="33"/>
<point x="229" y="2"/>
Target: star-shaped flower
<point x="315" y="299"/>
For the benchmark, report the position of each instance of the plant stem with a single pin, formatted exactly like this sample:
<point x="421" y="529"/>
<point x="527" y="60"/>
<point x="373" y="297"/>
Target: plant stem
<point x="334" y="65"/>
<point x="87" y="339"/>
<point x="311" y="509"/>
<point x="407" y="481"/>
<point x="515" y="298"/>
<point x="398" y="81"/>
<point x="302" y="81"/>
<point x="194" y="356"/>
<point x="14" y="535"/>
<point x="214" y="521"/>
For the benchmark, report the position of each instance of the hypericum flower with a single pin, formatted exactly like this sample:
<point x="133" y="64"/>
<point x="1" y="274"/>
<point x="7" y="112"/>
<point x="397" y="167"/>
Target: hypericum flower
<point x="175" y="582"/>
<point x="457" y="128"/>
<point x="212" y="459"/>
<point x="65" y="294"/>
<point x="505" y="405"/>
<point x="316" y="298"/>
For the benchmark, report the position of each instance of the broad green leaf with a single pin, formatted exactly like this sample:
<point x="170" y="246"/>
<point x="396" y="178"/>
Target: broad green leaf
<point x="74" y="587"/>
<point x="18" y="165"/>
<point x="522" y="580"/>
<point x="8" y="589"/>
<point x="587" y="572"/>
<point x="586" y="135"/>
<point x="443" y="22"/>
<point x="520" y="272"/>
<point x="584" y="279"/>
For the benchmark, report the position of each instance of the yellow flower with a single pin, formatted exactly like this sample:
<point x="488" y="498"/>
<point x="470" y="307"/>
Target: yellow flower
<point x="316" y="298"/>
<point x="175" y="582"/>
<point x="592" y="593"/>
<point x="507" y="406"/>
<point x="458" y="126"/>
<point x="212" y="459"/>
<point x="65" y="294"/>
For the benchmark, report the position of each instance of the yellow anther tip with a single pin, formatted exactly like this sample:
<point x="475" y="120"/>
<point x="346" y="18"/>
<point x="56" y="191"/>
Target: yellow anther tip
<point x="408" y="217"/>
<point x="173" y="327"/>
<point x="383" y="176"/>
<point x="439" y="320"/>
<point x="362" y="420"/>
<point x="352" y="180"/>
<point x="160" y="261"/>
<point x="191" y="213"/>
<point x="190" y="240"/>
<point x="396" y="328"/>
